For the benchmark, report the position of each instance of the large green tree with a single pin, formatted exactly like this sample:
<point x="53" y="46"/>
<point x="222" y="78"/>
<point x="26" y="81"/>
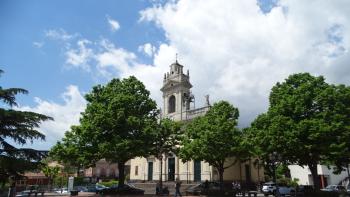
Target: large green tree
<point x="116" y="119"/>
<point x="18" y="127"/>
<point x="340" y="150"/>
<point x="306" y="119"/>
<point x="215" y="138"/>
<point x="166" y="135"/>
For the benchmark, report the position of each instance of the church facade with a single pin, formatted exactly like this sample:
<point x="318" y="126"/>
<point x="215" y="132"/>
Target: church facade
<point x="177" y="99"/>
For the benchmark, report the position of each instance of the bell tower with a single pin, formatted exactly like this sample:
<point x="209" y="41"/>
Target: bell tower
<point x="176" y="92"/>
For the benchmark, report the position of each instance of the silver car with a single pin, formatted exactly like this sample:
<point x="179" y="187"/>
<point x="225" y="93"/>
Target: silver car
<point x="334" y="188"/>
<point x="269" y="188"/>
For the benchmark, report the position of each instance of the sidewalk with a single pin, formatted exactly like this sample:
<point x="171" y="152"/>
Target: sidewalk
<point x="91" y="194"/>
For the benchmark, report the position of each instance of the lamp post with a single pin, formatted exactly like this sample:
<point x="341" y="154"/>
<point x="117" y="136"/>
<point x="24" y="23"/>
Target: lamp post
<point x="274" y="159"/>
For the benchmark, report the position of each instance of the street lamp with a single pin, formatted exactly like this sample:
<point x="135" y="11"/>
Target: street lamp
<point x="274" y="159"/>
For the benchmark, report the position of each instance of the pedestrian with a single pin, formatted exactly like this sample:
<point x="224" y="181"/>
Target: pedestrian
<point x="12" y="190"/>
<point x="234" y="188"/>
<point x="158" y="189"/>
<point x="177" y="188"/>
<point x="206" y="186"/>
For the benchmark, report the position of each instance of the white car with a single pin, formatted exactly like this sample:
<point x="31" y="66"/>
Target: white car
<point x="269" y="188"/>
<point x="61" y="190"/>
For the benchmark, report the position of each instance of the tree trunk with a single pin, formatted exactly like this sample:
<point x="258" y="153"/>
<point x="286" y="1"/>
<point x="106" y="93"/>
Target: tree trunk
<point x="121" y="178"/>
<point x="78" y="171"/>
<point x="221" y="176"/>
<point x="274" y="173"/>
<point x="347" y="170"/>
<point x="240" y="171"/>
<point x="161" y="174"/>
<point x="315" y="179"/>
<point x="259" y="172"/>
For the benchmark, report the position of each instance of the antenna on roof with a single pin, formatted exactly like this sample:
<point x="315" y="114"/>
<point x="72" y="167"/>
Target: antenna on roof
<point x="176" y="57"/>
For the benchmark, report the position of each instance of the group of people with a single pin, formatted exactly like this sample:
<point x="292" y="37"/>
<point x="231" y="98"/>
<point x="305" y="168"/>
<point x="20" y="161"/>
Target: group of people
<point x="165" y="190"/>
<point x="236" y="186"/>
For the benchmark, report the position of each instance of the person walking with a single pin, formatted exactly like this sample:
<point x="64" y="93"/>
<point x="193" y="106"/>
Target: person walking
<point x="177" y="188"/>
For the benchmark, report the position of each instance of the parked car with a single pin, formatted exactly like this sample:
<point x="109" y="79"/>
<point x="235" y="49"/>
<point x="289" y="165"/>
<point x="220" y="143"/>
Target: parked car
<point x="99" y="188"/>
<point x="213" y="188"/>
<point x="286" y="191"/>
<point x="91" y="188"/>
<point x="23" y="193"/>
<point x="334" y="188"/>
<point x="126" y="189"/>
<point x="302" y="190"/>
<point x="61" y="190"/>
<point x="81" y="189"/>
<point x="269" y="188"/>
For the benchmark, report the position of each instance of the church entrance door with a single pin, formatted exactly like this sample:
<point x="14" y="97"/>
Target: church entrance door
<point x="171" y="169"/>
<point x="150" y="171"/>
<point x="197" y="171"/>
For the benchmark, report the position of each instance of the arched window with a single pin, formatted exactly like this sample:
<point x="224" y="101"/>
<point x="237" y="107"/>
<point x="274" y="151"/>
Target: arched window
<point x="171" y="106"/>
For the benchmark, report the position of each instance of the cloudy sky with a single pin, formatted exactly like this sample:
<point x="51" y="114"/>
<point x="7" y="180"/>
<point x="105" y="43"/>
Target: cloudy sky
<point x="235" y="50"/>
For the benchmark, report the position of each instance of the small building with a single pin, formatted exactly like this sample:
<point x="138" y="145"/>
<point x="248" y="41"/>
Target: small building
<point x="325" y="174"/>
<point x="104" y="170"/>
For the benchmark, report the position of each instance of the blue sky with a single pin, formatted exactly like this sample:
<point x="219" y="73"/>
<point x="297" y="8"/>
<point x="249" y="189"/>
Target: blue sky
<point x="235" y="50"/>
<point x="40" y="70"/>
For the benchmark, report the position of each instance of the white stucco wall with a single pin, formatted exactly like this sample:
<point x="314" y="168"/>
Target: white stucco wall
<point x="304" y="174"/>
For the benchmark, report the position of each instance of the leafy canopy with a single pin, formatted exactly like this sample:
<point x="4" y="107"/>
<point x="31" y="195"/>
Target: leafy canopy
<point x="215" y="138"/>
<point x="114" y="125"/>
<point x="305" y="121"/>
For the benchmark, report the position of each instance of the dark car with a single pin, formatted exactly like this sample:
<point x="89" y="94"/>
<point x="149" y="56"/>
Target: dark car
<point x="303" y="190"/>
<point x="81" y="188"/>
<point x="213" y="188"/>
<point x="125" y="189"/>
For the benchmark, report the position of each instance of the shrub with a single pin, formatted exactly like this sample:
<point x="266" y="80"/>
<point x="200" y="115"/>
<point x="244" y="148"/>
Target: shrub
<point x="109" y="183"/>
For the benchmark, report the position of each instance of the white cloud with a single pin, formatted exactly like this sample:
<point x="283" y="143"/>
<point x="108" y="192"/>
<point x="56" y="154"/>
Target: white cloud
<point x="65" y="115"/>
<point x="233" y="50"/>
<point x="148" y="49"/>
<point x="59" y="34"/>
<point x="80" y="56"/>
<point x="38" y="44"/>
<point x="113" y="24"/>
<point x="236" y="52"/>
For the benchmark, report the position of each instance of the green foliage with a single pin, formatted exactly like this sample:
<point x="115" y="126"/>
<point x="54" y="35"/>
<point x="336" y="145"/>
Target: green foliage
<point x="113" y="126"/>
<point x="215" y="137"/>
<point x="61" y="181"/>
<point x="21" y="128"/>
<point x="166" y="136"/>
<point x="78" y="181"/>
<point x="51" y="172"/>
<point x="306" y="122"/>
<point x="73" y="151"/>
<point x="287" y="181"/>
<point x="109" y="183"/>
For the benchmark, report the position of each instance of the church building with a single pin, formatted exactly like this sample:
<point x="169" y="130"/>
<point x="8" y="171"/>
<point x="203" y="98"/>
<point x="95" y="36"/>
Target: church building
<point x="179" y="105"/>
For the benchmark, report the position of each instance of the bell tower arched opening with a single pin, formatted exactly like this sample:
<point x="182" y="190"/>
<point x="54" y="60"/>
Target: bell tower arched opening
<point x="171" y="104"/>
